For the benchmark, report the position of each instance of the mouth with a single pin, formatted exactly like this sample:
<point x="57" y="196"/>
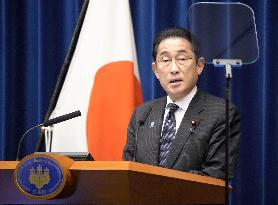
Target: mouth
<point x="175" y="81"/>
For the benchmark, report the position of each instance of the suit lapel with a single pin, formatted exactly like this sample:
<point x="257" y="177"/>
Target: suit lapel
<point x="193" y="112"/>
<point x="152" y="131"/>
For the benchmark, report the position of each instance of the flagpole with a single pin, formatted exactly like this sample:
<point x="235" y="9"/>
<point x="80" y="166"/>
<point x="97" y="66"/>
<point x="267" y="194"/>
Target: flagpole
<point x="64" y="70"/>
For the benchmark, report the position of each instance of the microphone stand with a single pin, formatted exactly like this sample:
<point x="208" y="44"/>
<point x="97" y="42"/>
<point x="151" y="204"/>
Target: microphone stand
<point x="47" y="123"/>
<point x="227" y="99"/>
<point x="21" y="139"/>
<point x="48" y="133"/>
<point x="140" y="123"/>
<point x="228" y="63"/>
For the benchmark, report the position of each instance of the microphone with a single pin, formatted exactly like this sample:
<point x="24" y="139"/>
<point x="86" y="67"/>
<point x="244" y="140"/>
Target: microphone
<point x="61" y="118"/>
<point x="141" y="121"/>
<point x="48" y="123"/>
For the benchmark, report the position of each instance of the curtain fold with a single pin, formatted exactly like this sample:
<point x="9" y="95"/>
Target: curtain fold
<point x="35" y="36"/>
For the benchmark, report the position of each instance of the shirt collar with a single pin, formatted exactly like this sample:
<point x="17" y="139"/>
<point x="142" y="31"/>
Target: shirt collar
<point x="183" y="103"/>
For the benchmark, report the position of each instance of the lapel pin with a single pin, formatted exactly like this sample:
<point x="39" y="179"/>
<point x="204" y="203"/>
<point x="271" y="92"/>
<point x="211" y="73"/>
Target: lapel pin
<point x="193" y="125"/>
<point x="152" y="124"/>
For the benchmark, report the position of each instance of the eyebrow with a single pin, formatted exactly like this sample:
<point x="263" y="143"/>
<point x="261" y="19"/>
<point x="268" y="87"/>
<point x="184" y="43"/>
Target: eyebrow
<point x="179" y="51"/>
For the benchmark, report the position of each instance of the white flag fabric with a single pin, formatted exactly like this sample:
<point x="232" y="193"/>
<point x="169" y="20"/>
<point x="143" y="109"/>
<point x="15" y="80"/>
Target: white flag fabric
<point x="102" y="82"/>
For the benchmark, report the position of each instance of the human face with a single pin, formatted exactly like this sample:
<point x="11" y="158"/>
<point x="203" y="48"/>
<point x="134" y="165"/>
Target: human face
<point x="176" y="67"/>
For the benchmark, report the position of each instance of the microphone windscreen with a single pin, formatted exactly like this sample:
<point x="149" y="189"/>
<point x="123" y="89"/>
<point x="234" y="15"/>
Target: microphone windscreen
<point x="62" y="118"/>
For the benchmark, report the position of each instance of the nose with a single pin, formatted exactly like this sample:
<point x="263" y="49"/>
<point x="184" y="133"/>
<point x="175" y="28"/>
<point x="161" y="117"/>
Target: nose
<point x="174" y="68"/>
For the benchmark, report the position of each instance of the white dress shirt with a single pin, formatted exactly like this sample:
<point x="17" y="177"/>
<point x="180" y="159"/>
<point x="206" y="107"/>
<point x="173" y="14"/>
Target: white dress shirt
<point x="183" y="105"/>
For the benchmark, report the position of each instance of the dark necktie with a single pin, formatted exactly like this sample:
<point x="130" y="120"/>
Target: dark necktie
<point x="168" y="133"/>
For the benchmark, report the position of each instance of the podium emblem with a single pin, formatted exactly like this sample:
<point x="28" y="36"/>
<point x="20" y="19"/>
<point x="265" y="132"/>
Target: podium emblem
<point x="39" y="176"/>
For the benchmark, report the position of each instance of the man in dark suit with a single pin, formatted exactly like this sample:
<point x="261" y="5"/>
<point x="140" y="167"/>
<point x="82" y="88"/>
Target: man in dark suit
<point x="186" y="129"/>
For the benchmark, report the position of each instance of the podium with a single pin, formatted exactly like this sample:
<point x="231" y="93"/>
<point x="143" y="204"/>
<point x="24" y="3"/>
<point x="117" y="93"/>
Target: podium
<point x="121" y="183"/>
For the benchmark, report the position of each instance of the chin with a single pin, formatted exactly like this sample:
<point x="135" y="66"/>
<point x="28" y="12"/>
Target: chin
<point x="175" y="96"/>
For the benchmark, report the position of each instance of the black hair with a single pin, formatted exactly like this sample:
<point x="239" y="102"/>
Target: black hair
<point x="172" y="33"/>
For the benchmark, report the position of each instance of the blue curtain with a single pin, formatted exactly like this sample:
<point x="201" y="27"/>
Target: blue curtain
<point x="35" y="36"/>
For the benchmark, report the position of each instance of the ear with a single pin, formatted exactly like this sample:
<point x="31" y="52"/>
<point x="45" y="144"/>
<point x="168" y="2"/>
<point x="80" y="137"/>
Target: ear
<point x="200" y="65"/>
<point x="154" y="68"/>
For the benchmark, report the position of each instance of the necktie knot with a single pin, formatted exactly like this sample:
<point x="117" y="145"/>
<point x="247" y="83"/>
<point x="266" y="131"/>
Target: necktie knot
<point x="172" y="107"/>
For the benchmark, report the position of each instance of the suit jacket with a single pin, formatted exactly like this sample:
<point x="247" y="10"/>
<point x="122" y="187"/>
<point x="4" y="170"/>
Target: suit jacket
<point x="197" y="149"/>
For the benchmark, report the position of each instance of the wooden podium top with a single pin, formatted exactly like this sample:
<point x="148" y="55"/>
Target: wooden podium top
<point x="120" y="182"/>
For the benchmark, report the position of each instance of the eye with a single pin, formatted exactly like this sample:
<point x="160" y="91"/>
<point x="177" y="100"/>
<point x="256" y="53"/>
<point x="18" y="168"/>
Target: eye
<point x="165" y="59"/>
<point x="183" y="59"/>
